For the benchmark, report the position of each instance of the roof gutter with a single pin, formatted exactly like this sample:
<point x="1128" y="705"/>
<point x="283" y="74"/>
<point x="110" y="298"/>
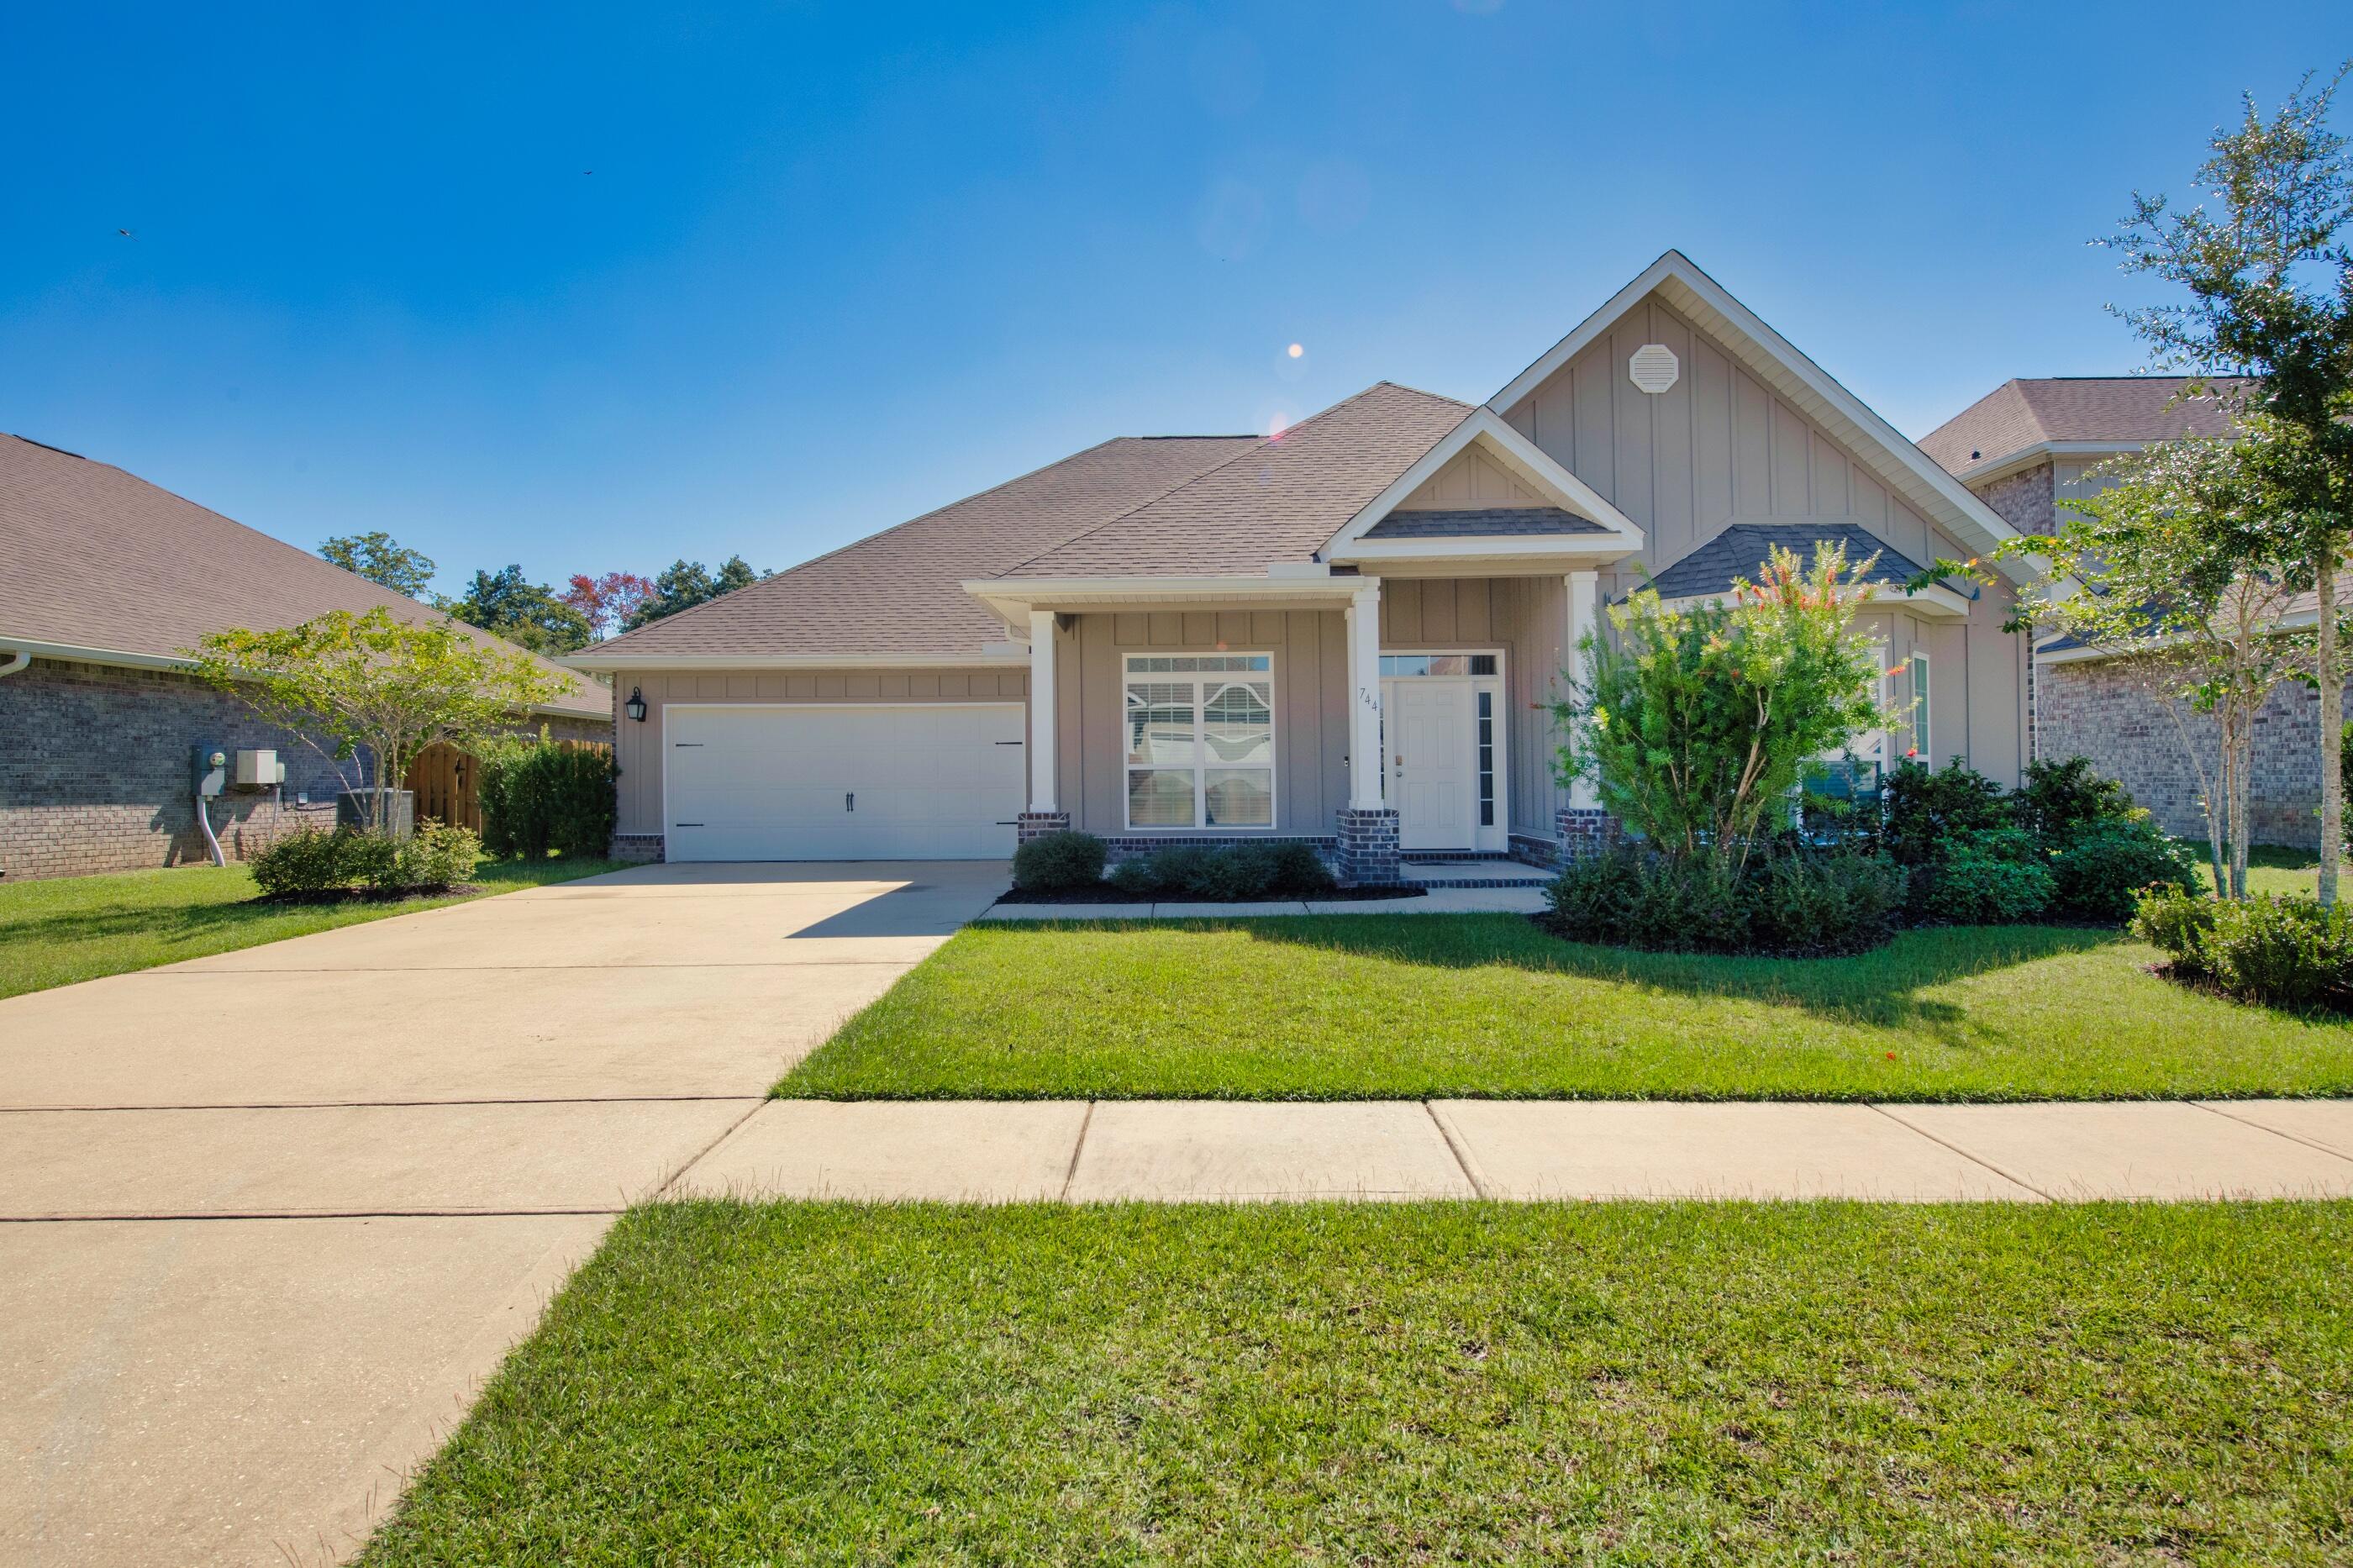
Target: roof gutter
<point x="27" y="650"/>
<point x="602" y="663"/>
<point x="2025" y="458"/>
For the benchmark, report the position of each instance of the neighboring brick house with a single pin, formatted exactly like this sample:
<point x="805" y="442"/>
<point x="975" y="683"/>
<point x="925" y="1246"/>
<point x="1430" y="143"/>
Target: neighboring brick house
<point x="2028" y="448"/>
<point x="104" y="580"/>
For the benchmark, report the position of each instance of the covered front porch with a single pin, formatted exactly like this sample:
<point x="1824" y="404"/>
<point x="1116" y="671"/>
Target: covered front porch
<point x="1383" y="719"/>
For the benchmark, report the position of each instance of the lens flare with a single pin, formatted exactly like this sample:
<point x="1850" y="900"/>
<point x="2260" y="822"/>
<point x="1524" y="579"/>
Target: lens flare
<point x="1295" y="350"/>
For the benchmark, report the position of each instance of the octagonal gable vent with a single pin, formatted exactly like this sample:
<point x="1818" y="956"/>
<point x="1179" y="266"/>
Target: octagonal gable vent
<point x="1654" y="368"/>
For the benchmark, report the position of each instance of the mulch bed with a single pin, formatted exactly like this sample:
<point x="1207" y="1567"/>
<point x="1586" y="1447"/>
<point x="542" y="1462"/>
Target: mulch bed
<point x="1108" y="895"/>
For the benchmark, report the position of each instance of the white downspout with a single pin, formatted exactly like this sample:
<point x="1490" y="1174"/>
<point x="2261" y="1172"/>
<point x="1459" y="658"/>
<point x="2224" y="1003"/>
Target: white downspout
<point x="17" y="661"/>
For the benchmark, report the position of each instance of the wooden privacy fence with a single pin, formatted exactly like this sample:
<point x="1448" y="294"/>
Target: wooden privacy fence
<point x="442" y="778"/>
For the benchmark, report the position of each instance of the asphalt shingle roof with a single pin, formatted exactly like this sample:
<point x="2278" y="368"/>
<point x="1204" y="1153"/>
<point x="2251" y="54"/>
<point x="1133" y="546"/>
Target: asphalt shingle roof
<point x="93" y="557"/>
<point x="2019" y="413"/>
<point x="1742" y="550"/>
<point x="1281" y="500"/>
<point x="900" y="592"/>
<point x="1486" y="523"/>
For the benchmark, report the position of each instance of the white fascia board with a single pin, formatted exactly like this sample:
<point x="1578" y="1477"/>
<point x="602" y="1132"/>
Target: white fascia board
<point x="1934" y="600"/>
<point x="2293" y="621"/>
<point x="2025" y="458"/>
<point x="1913" y="472"/>
<point x="122" y="658"/>
<point x="586" y="660"/>
<point x="1574" y="552"/>
<point x="115" y="659"/>
<point x="1528" y="462"/>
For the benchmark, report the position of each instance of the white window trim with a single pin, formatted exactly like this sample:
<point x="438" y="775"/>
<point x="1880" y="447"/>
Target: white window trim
<point x="1921" y="719"/>
<point x="1201" y="823"/>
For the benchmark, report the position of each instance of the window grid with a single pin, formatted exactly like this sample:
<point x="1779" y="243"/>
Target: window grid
<point x="1486" y="759"/>
<point x="1200" y="742"/>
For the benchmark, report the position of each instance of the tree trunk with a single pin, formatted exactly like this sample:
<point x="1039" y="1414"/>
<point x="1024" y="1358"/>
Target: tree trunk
<point x="2332" y="725"/>
<point x="2240" y="738"/>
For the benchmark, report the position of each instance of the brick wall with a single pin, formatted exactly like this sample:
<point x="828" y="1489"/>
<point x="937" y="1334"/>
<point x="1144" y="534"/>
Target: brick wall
<point x="2099" y="710"/>
<point x="94" y="771"/>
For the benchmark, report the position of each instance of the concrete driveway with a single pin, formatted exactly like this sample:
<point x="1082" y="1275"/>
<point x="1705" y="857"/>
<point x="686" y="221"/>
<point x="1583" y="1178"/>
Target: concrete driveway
<point x="278" y="1210"/>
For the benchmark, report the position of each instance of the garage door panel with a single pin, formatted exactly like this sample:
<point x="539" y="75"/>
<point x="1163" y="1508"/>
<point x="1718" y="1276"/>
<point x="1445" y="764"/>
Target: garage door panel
<point x="752" y="782"/>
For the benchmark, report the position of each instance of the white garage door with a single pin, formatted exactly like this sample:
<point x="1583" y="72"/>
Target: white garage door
<point x="898" y="783"/>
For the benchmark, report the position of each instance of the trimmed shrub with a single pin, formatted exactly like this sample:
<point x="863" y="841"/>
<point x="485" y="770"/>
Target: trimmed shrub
<point x="1792" y="904"/>
<point x="2060" y="800"/>
<point x="2102" y="872"/>
<point x="1299" y="870"/>
<point x="307" y="860"/>
<point x="1973" y="889"/>
<point x="1923" y="811"/>
<point x="538" y="795"/>
<point x="2175" y="922"/>
<point x="1058" y="862"/>
<point x="1135" y="877"/>
<point x="439" y="855"/>
<point x="315" y="860"/>
<point x="2288" y="951"/>
<point x="1232" y="874"/>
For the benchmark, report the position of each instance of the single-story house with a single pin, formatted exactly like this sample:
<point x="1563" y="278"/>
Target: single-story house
<point x="105" y="580"/>
<point x="1346" y="632"/>
<point x="2028" y="448"/>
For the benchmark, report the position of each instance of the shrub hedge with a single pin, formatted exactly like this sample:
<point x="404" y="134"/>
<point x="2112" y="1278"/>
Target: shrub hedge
<point x="319" y="860"/>
<point x="1791" y="902"/>
<point x="1058" y="862"/>
<point x="538" y="795"/>
<point x="2287" y="951"/>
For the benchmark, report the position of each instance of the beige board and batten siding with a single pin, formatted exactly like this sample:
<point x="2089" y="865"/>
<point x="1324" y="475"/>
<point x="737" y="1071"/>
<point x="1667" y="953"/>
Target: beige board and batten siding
<point x="1720" y="448"/>
<point x="1522" y="618"/>
<point x="637" y="747"/>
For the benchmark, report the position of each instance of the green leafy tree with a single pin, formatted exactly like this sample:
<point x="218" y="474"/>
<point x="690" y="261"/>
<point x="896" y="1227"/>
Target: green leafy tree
<point x="382" y="560"/>
<point x="2177" y="607"/>
<point x="686" y="583"/>
<point x="527" y="614"/>
<point x="1695" y="724"/>
<point x="2269" y="274"/>
<point x="378" y="690"/>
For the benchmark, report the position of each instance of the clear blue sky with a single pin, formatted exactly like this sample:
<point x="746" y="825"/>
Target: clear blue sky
<point x="836" y="264"/>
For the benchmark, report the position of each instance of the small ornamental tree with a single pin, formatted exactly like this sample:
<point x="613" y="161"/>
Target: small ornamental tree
<point x="375" y="685"/>
<point x="1695" y="724"/>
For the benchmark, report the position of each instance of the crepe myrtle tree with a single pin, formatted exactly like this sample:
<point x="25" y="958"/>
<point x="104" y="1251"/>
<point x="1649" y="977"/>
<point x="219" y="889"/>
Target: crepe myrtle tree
<point x="2267" y="262"/>
<point x="1695" y="724"/>
<point x="2155" y="573"/>
<point x="375" y="687"/>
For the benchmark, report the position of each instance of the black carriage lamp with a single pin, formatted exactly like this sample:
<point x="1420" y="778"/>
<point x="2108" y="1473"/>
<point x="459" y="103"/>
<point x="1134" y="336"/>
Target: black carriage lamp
<point x="635" y="706"/>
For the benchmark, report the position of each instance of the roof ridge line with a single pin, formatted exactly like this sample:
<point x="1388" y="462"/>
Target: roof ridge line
<point x="1213" y="469"/>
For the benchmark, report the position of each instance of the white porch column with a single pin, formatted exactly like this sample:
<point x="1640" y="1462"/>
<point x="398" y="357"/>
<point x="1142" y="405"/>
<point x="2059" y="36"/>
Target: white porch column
<point x="1042" y="714"/>
<point x="1366" y="767"/>
<point x="1584" y="598"/>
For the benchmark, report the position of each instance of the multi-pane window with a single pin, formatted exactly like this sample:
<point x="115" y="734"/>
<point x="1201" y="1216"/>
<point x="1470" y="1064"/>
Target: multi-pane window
<point x="1486" y="759"/>
<point x="1413" y="664"/>
<point x="1201" y="740"/>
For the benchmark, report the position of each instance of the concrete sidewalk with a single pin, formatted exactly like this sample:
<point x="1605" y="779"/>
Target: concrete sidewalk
<point x="1186" y="1151"/>
<point x="1526" y="900"/>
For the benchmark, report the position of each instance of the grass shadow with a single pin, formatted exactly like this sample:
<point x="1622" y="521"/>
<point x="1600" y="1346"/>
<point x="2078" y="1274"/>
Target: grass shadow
<point x="1882" y="987"/>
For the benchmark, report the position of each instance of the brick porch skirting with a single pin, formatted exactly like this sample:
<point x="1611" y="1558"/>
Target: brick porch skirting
<point x="1585" y="831"/>
<point x="638" y="848"/>
<point x="1368" y="848"/>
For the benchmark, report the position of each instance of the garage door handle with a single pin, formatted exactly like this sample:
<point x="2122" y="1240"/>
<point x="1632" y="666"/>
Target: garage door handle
<point x="1008" y="742"/>
<point x="849" y="802"/>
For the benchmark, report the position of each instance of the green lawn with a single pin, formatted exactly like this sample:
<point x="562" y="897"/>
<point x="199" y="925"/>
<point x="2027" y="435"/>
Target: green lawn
<point x="1404" y="1006"/>
<point x="1598" y="1383"/>
<point x="2274" y="869"/>
<point x="79" y="928"/>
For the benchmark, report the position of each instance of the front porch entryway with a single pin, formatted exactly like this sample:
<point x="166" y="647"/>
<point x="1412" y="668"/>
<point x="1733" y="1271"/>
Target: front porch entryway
<point x="1443" y="740"/>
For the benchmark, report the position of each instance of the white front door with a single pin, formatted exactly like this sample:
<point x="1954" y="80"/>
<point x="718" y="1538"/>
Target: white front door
<point x="1433" y="772"/>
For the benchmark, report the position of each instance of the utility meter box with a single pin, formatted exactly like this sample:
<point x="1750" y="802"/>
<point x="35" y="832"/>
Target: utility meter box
<point x="211" y="767"/>
<point x="257" y="768"/>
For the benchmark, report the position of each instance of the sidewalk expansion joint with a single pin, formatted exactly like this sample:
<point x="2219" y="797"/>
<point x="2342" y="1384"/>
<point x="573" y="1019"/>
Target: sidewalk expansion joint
<point x="1071" y="1173"/>
<point x="1454" y="1147"/>
<point x="1974" y="1159"/>
<point x="2276" y="1133"/>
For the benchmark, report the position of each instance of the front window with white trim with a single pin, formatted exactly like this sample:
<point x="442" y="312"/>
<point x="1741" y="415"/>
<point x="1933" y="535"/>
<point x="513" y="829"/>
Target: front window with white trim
<point x="1201" y="740"/>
